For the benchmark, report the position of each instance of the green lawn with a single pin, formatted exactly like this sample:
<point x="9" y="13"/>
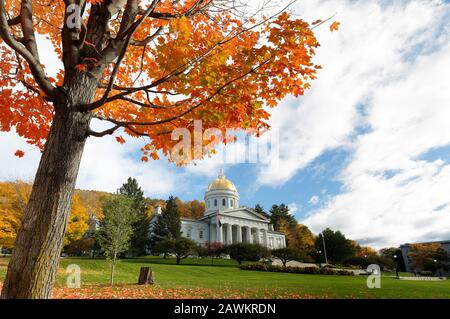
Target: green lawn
<point x="225" y="275"/>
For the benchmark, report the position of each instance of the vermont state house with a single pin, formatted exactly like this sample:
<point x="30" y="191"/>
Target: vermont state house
<point x="226" y="221"/>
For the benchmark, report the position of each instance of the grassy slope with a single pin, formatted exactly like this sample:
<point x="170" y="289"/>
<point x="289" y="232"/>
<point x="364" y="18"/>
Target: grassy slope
<point x="225" y="274"/>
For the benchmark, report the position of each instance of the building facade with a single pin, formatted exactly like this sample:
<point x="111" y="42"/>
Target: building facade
<point x="406" y="249"/>
<point x="226" y="221"/>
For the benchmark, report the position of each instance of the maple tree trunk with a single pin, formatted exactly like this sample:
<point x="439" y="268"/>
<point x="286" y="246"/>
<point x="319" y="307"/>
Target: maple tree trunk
<point x="35" y="259"/>
<point x="113" y="269"/>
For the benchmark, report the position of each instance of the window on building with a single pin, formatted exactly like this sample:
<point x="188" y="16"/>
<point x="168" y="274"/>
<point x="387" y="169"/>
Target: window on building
<point x="200" y="234"/>
<point x="232" y="202"/>
<point x="224" y="202"/>
<point x="215" y="202"/>
<point x="188" y="233"/>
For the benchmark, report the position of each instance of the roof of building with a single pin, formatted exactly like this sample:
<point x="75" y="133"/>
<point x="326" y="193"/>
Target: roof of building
<point x="222" y="183"/>
<point x="442" y="242"/>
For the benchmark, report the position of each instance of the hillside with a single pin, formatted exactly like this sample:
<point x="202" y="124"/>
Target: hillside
<point x="86" y="203"/>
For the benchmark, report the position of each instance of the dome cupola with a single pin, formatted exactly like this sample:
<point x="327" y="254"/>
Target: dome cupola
<point x="221" y="194"/>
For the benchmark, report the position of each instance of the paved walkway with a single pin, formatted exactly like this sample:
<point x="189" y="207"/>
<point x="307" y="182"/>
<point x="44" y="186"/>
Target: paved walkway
<point x="277" y="262"/>
<point x="423" y="278"/>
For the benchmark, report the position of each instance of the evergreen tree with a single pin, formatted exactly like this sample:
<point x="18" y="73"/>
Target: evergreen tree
<point x="279" y="215"/>
<point x="260" y="210"/>
<point x="168" y="224"/>
<point x="338" y="248"/>
<point x="140" y="236"/>
<point x="171" y="217"/>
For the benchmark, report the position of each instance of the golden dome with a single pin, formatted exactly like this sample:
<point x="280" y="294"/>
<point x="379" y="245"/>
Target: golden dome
<point x="221" y="183"/>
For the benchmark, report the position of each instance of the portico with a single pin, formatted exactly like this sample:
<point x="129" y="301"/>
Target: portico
<point x="227" y="222"/>
<point x="243" y="225"/>
<point x="233" y="233"/>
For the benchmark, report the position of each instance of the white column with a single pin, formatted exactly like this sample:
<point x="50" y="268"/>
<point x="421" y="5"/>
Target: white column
<point x="266" y="243"/>
<point x="219" y="233"/>
<point x="229" y="234"/>
<point x="238" y="233"/>
<point x="249" y="235"/>
<point x="256" y="239"/>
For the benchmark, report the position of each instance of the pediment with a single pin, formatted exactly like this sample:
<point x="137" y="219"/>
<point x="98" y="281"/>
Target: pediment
<point x="246" y="213"/>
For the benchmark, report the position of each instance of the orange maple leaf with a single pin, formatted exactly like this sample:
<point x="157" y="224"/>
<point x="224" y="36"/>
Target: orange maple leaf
<point x="95" y="2"/>
<point x="120" y="139"/>
<point x="335" y="26"/>
<point x="81" y="67"/>
<point x="19" y="153"/>
<point x="155" y="156"/>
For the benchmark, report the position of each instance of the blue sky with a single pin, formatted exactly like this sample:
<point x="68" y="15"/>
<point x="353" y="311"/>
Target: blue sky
<point x="366" y="150"/>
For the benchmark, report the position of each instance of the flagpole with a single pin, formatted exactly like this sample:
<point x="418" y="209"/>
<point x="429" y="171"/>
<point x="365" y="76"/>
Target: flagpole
<point x="324" y="248"/>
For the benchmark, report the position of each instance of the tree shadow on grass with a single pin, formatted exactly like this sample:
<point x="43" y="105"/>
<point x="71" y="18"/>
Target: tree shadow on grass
<point x="185" y="262"/>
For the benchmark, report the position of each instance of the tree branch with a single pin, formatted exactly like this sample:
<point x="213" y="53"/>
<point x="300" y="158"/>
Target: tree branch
<point x="151" y="105"/>
<point x="26" y="20"/>
<point x="72" y="36"/>
<point x="194" y="9"/>
<point x="182" y="68"/>
<point x="109" y="131"/>
<point x="35" y="66"/>
<point x="139" y="123"/>
<point x="115" y="46"/>
<point x="147" y="39"/>
<point x="14" y="21"/>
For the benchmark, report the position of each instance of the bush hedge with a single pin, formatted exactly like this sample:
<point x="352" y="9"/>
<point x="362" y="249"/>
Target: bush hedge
<point x="297" y="270"/>
<point x="425" y="273"/>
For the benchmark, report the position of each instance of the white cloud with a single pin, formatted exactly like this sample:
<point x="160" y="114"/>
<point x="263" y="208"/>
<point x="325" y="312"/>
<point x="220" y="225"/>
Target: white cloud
<point x="106" y="165"/>
<point x="314" y="200"/>
<point x="12" y="167"/>
<point x="293" y="208"/>
<point x="391" y="196"/>
<point x="367" y="53"/>
<point x="370" y="62"/>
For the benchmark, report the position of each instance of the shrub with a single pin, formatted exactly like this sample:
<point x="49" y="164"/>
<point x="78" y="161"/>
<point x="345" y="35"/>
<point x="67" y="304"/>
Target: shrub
<point x="246" y="252"/>
<point x="364" y="262"/>
<point x="425" y="273"/>
<point x="212" y="250"/>
<point x="181" y="247"/>
<point x="297" y="270"/>
<point x="80" y="247"/>
<point x="286" y="255"/>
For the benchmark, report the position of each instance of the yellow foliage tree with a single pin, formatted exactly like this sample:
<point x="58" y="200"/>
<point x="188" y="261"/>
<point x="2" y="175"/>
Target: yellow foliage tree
<point x="13" y="199"/>
<point x="301" y="238"/>
<point x="421" y="254"/>
<point x="366" y="252"/>
<point x="78" y="222"/>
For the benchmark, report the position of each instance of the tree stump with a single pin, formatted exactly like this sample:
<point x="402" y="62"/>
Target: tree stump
<point x="146" y="276"/>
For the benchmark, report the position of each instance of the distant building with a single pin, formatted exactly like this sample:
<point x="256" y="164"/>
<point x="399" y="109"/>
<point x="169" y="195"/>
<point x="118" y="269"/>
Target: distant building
<point x="94" y="224"/>
<point x="406" y="249"/>
<point x="227" y="222"/>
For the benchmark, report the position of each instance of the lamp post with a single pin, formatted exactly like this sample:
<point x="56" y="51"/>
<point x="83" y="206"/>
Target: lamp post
<point x="438" y="270"/>
<point x="396" y="265"/>
<point x="324" y="249"/>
